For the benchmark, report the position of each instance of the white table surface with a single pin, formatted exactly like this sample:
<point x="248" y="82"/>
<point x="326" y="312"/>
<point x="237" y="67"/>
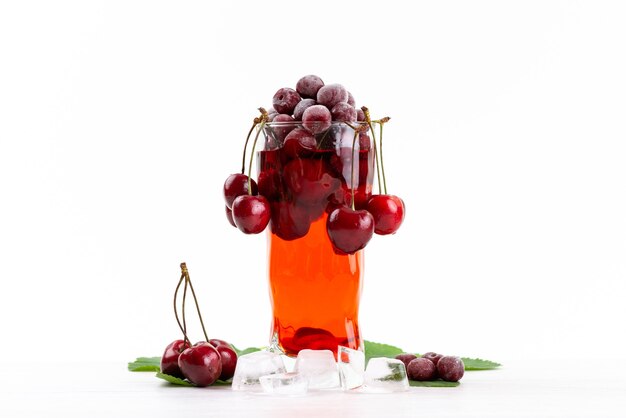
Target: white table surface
<point x="568" y="389"/>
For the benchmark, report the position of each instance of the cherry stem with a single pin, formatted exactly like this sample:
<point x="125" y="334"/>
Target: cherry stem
<point x="183" y="267"/>
<point x="255" y="122"/>
<point x="184" y="319"/>
<point x="356" y="135"/>
<point x="243" y="162"/>
<point x="380" y="140"/>
<point x="357" y="132"/>
<point x="263" y="120"/>
<point x="182" y="277"/>
<point x="368" y="119"/>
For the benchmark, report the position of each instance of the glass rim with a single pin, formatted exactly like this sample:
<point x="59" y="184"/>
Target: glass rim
<point x="299" y="122"/>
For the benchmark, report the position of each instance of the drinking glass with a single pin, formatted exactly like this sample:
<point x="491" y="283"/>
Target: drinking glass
<point x="315" y="289"/>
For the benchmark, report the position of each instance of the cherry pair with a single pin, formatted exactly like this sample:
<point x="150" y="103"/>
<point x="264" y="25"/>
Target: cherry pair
<point x="349" y="229"/>
<point x="204" y="362"/>
<point x="245" y="209"/>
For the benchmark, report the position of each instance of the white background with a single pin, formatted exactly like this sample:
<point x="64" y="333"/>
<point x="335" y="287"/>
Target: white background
<point x="120" y="120"/>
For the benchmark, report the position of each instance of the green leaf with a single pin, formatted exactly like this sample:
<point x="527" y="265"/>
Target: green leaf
<point x="173" y="380"/>
<point x="145" y="364"/>
<point x="245" y="351"/>
<point x="479" y="364"/>
<point x="373" y="349"/>
<point x="181" y="382"/>
<point x="434" y="384"/>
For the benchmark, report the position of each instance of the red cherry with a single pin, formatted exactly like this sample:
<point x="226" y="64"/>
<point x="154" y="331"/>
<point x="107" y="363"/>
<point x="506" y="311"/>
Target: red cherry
<point x="299" y="143"/>
<point x="228" y="357"/>
<point x="432" y="356"/>
<point x="361" y="196"/>
<point x="310" y="181"/>
<point x="388" y="213"/>
<point x="237" y="185"/>
<point x="406" y="358"/>
<point x="289" y="221"/>
<point x="251" y="213"/>
<point x="229" y="216"/>
<point x="421" y="369"/>
<point x="270" y="184"/>
<point x="281" y="126"/>
<point x="349" y="230"/>
<point x="229" y="361"/>
<point x="216" y="343"/>
<point x="341" y="197"/>
<point x="169" y="361"/>
<point x="365" y="143"/>
<point x="314" y="338"/>
<point x="342" y="163"/>
<point x="201" y="364"/>
<point x="450" y="368"/>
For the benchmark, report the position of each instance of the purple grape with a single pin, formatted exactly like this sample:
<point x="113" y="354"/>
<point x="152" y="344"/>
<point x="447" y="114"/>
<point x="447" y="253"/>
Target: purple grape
<point x="285" y="100"/>
<point x="331" y="94"/>
<point x="343" y="112"/>
<point x="316" y="119"/>
<point x="432" y="356"/>
<point x="309" y="85"/>
<point x="421" y="369"/>
<point x="406" y="358"/>
<point x="281" y="131"/>
<point x="360" y="115"/>
<point x="450" y="368"/>
<point x="351" y="101"/>
<point x="303" y="105"/>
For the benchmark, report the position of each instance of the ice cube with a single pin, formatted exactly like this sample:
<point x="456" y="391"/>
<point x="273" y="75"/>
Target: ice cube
<point x="351" y="367"/>
<point x="290" y="362"/>
<point x="250" y="367"/>
<point x="319" y="368"/>
<point x="284" y="384"/>
<point x="385" y="375"/>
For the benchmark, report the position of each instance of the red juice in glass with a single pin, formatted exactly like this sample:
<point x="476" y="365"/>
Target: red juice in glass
<point x="314" y="290"/>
